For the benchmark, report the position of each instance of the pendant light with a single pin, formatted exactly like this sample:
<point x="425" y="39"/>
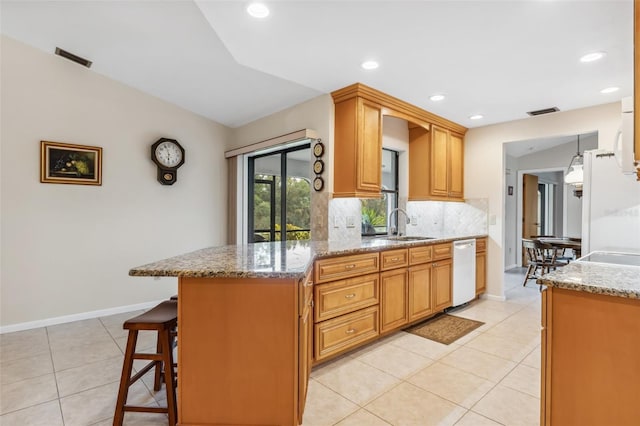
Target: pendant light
<point x="575" y="174"/>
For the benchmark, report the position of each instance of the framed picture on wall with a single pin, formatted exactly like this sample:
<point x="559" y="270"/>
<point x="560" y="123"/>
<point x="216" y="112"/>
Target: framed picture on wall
<point x="70" y="163"/>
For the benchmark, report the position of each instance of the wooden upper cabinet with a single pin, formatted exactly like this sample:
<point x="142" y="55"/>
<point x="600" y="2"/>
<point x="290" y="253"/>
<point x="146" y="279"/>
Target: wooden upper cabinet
<point x="357" y="146"/>
<point x="439" y="162"/>
<point x="357" y="149"/>
<point x="436" y="160"/>
<point x="455" y="161"/>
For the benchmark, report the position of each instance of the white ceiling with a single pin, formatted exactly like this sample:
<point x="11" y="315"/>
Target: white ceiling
<point x="496" y="58"/>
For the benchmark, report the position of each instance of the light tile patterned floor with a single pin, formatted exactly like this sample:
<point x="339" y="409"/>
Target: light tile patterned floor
<point x="68" y="374"/>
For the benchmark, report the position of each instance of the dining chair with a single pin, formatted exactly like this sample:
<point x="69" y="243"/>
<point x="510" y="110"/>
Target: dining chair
<point x="541" y="258"/>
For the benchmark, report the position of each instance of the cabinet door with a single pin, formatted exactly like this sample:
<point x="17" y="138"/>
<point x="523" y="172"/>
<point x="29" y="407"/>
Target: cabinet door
<point x="481" y="272"/>
<point x="369" y="151"/>
<point x="420" y="304"/>
<point x="442" y="280"/>
<point x="439" y="162"/>
<point x="456" y="171"/>
<point x="304" y="357"/>
<point x="393" y="293"/>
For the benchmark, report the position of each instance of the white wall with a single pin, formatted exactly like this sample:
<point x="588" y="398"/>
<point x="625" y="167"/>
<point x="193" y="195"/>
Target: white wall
<point x="484" y="165"/>
<point x="510" y="206"/>
<point x="315" y="114"/>
<point x="67" y="249"/>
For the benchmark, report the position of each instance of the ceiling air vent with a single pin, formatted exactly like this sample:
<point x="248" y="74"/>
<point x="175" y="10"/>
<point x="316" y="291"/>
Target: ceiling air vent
<point x="543" y="111"/>
<point x="75" y="58"/>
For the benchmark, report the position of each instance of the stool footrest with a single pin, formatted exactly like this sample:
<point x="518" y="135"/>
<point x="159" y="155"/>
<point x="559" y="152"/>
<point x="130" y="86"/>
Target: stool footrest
<point x="150" y="357"/>
<point x="138" y="409"/>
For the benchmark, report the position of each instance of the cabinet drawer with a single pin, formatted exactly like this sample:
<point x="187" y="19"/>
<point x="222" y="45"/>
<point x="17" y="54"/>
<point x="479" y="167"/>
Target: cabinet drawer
<point x="345" y="267"/>
<point x="338" y="334"/>
<point x="442" y="251"/>
<point x="342" y="297"/>
<point x="305" y="292"/>
<point x="481" y="245"/>
<point x="420" y="255"/>
<point x="391" y="259"/>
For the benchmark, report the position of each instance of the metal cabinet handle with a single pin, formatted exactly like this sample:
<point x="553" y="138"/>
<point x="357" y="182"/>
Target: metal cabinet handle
<point x="435" y="264"/>
<point x="311" y="303"/>
<point x="395" y="259"/>
<point x="349" y="296"/>
<point x="349" y="266"/>
<point x="350" y="331"/>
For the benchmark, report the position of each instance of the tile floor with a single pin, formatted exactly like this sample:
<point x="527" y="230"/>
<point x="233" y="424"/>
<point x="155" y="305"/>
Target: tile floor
<point x="68" y="374"/>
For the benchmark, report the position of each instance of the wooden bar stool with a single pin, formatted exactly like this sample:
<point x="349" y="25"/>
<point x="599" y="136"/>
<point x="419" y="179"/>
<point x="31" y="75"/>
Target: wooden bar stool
<point x="163" y="319"/>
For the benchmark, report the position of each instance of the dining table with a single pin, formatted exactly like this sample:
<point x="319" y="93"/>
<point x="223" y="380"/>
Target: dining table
<point x="564" y="243"/>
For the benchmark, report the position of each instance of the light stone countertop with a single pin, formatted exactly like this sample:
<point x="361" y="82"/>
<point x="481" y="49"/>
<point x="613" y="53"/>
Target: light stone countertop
<point x="598" y="278"/>
<point x="291" y="259"/>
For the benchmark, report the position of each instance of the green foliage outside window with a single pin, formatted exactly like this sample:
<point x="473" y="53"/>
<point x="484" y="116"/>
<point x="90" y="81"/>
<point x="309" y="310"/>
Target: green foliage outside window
<point x="298" y="207"/>
<point x="374" y="216"/>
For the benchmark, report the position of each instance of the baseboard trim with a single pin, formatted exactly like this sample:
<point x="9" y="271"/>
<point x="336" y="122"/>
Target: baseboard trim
<point x="492" y="297"/>
<point x="514" y="265"/>
<point x="76" y="317"/>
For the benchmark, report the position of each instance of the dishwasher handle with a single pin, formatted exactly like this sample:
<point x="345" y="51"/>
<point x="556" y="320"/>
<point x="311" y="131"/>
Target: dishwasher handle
<point x="464" y="244"/>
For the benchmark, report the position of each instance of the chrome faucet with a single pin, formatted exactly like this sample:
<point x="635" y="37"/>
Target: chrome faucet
<point x="393" y="230"/>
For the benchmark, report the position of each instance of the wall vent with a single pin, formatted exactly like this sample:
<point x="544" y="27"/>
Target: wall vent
<point x="75" y="58"/>
<point x="543" y="111"/>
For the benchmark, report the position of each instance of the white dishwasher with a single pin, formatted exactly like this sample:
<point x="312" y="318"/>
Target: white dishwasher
<point x="464" y="271"/>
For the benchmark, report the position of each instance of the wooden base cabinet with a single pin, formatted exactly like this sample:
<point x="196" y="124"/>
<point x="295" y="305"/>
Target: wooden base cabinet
<point x="590" y="359"/>
<point x="420" y="303"/>
<point x="243" y="351"/>
<point x="347" y="297"/>
<point x="393" y="299"/>
<point x="442" y="274"/>
<point x="481" y="265"/>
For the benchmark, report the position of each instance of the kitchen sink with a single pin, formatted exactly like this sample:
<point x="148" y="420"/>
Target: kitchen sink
<point x="406" y="238"/>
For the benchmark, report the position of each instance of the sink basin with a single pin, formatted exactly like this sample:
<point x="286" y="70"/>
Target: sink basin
<point x="406" y="238"/>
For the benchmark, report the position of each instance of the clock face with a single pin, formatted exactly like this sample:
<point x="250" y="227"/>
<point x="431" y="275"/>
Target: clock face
<point x="318" y="166"/>
<point x="168" y="154"/>
<point x="318" y="149"/>
<point x="318" y="184"/>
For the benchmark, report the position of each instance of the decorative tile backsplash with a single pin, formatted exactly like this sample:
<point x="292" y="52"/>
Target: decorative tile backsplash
<point x="431" y="218"/>
<point x="436" y="218"/>
<point x="345" y="219"/>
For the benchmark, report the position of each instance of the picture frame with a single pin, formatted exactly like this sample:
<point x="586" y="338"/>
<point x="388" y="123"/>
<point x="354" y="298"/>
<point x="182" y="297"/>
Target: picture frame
<point x="70" y="163"/>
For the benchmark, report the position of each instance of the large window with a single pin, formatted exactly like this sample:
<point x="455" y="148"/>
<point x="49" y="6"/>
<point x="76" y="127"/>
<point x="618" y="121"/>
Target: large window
<point x="376" y="211"/>
<point x="280" y="195"/>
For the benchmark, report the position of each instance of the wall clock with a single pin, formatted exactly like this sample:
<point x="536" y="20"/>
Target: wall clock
<point x="318" y="183"/>
<point x="318" y="149"/>
<point x="168" y="155"/>
<point x="318" y="166"/>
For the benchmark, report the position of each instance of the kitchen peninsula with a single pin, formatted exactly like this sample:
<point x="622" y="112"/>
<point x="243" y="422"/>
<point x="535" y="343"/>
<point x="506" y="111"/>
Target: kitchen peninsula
<point x="248" y="330"/>
<point x="590" y="345"/>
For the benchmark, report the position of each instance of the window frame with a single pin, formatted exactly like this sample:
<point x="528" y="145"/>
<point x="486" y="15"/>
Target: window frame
<point x="394" y="191"/>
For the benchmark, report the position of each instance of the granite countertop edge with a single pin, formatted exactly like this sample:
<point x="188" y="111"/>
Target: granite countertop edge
<point x="235" y="261"/>
<point x="604" y="279"/>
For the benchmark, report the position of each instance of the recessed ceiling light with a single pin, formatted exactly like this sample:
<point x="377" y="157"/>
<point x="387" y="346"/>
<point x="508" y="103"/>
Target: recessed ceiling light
<point x="610" y="90"/>
<point x="593" y="56"/>
<point x="436" y="98"/>
<point x="369" y="65"/>
<point x="476" y="116"/>
<point x="258" y="10"/>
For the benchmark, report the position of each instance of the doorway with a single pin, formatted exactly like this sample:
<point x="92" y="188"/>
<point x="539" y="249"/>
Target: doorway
<point x="279" y="195"/>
